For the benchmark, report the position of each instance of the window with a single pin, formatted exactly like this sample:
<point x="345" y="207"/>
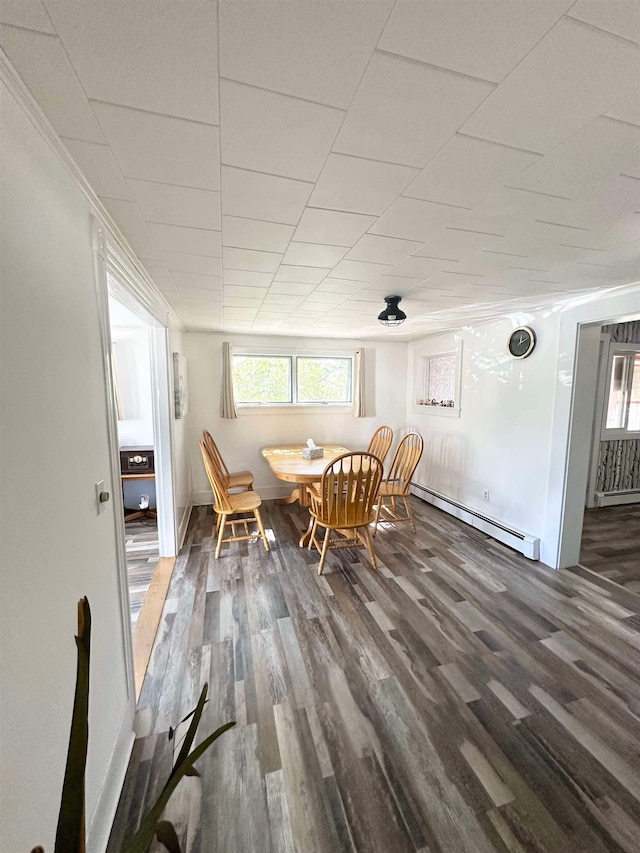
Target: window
<point x="623" y="398"/>
<point x="437" y="389"/>
<point x="292" y="380"/>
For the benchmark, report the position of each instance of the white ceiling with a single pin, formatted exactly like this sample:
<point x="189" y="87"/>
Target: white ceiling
<point x="280" y="166"/>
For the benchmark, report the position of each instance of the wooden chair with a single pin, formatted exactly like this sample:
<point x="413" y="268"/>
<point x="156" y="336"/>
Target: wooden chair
<point x="344" y="503"/>
<point x="228" y="505"/>
<point x="398" y="481"/>
<point x="237" y="480"/>
<point x="381" y="442"/>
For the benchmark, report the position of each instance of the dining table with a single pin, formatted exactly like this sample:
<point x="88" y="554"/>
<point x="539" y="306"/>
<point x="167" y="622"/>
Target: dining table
<point x="288" y="464"/>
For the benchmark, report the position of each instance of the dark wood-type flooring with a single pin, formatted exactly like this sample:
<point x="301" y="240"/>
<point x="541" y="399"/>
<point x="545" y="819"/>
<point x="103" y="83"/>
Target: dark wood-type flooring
<point x="611" y="544"/>
<point x="141" y="544"/>
<point x="459" y="699"/>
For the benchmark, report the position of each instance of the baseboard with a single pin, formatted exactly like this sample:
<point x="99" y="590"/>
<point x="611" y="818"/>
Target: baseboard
<point x="528" y="546"/>
<point x="102" y="821"/>
<point x="630" y="496"/>
<point x="183" y="524"/>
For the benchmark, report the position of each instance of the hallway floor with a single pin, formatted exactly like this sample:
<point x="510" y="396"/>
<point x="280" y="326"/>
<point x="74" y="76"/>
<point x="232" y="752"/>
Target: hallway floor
<point x="460" y="699"/>
<point x="611" y="544"/>
<point x="141" y="545"/>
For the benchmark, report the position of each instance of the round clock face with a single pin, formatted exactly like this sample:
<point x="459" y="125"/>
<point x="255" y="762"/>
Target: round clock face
<point x="521" y="342"/>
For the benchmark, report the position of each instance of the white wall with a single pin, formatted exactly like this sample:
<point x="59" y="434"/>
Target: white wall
<point x="501" y="440"/>
<point x="240" y="440"/>
<point x="132" y="361"/>
<point x="53" y="448"/>
<point x="524" y="429"/>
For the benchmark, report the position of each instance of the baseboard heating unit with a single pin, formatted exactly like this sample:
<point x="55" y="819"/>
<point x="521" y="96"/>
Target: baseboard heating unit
<point x="528" y="546"/>
<point x="629" y="496"/>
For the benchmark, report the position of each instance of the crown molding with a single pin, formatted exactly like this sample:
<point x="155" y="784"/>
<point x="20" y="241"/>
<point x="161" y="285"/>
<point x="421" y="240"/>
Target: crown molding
<point x="135" y="278"/>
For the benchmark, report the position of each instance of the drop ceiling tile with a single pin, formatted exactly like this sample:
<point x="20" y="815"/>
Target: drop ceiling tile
<point x="144" y="246"/>
<point x="201" y="293"/>
<point x="43" y="66"/>
<point x="242" y="233"/>
<point x="180" y="262"/>
<point x="247" y="277"/>
<point x="404" y="112"/>
<point x="382" y="250"/>
<point x="390" y="284"/>
<point x="530" y="110"/>
<point x="417" y="220"/>
<point x="292" y="288"/>
<point x="589" y="158"/>
<point x="284" y="46"/>
<point x="144" y="56"/>
<point x="467" y="170"/>
<point x="197" y="305"/>
<point x="30" y="16"/>
<point x="359" y="270"/>
<point x="313" y="255"/>
<point x="485" y="40"/>
<point x="244" y="292"/>
<point x="164" y="284"/>
<point x="307" y="275"/>
<point x="273" y="133"/>
<point x="323" y="297"/>
<point x="98" y="165"/>
<point x="279" y="299"/>
<point x="359" y="186"/>
<point x="194" y="280"/>
<point x="628" y="107"/>
<point x="621" y="17"/>
<point x="253" y="195"/>
<point x="173" y="205"/>
<point x="418" y="267"/>
<point x="162" y="148"/>
<point x="483" y="263"/>
<point x="506" y="210"/>
<point x="189" y="241"/>
<point x="158" y="270"/>
<point x="127" y="216"/>
<point x="248" y="259"/>
<point x="455" y="244"/>
<point x="340" y="285"/>
<point x="243" y="302"/>
<point x="332" y="227"/>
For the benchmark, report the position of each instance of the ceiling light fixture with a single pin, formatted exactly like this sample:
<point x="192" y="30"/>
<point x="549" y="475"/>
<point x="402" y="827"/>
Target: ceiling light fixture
<point x="392" y="315"/>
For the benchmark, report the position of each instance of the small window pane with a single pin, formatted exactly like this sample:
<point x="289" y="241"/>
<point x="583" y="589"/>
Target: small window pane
<point x="616" y="408"/>
<point x="324" y="380"/>
<point x="633" y="423"/>
<point x="262" y="379"/>
<point x="441" y="379"/>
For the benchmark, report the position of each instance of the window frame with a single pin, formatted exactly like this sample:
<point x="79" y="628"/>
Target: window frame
<point x="295" y="406"/>
<point x="630" y="351"/>
<point x="421" y="379"/>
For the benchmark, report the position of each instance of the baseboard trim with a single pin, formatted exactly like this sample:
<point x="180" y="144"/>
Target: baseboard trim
<point x="103" y="817"/>
<point x="184" y="524"/>
<point x="630" y="496"/>
<point x="528" y="546"/>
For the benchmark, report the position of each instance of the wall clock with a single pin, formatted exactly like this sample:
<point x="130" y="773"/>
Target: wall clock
<point x="521" y="342"/>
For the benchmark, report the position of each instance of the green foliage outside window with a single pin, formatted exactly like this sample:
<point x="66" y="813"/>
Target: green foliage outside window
<point x="324" y="380"/>
<point x="266" y="379"/>
<point x="262" y="379"/>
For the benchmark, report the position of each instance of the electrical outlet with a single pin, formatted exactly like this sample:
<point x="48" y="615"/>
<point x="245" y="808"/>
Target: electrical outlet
<point x="485" y="494"/>
<point x="101" y="497"/>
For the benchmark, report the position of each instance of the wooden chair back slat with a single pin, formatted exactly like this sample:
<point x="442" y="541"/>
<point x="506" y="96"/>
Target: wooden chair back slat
<point x="381" y="442"/>
<point x="348" y="490"/>
<point x="214" y="452"/>
<point x="216" y="480"/>
<point x="405" y="462"/>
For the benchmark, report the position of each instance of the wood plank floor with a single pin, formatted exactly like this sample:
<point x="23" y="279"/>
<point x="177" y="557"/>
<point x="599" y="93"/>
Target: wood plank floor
<point x="461" y="699"/>
<point x="141" y="545"/>
<point x="611" y="544"/>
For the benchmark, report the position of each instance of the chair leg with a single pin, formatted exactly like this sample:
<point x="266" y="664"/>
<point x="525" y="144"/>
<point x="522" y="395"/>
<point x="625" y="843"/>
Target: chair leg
<point x="325" y="546"/>
<point x="369" y="544"/>
<point x="261" y="526"/>
<point x="378" y="510"/>
<point x="409" y="514"/>
<point x="223" y="522"/>
<point x="218" y="518"/>
<point x="312" y="537"/>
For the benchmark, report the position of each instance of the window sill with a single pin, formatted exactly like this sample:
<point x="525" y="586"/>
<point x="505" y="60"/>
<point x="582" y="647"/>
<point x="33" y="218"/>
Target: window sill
<point x="294" y="410"/>
<point x="619" y="435"/>
<point x="441" y="411"/>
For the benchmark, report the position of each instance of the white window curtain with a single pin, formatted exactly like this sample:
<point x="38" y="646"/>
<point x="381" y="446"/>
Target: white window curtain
<point x="359" y="407"/>
<point x="227" y="399"/>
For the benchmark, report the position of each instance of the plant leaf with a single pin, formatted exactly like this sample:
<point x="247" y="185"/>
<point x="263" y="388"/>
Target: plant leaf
<point x="70" y="832"/>
<point x="166" y="834"/>
<point x="193" y="726"/>
<point x="192" y="772"/>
